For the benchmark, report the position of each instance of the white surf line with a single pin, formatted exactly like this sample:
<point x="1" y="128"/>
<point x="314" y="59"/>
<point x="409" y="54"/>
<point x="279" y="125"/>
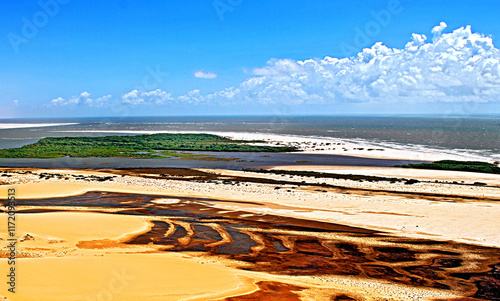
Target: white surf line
<point x="6" y="126"/>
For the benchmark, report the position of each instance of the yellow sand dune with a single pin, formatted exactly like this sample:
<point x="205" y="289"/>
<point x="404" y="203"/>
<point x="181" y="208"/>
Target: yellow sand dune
<point x="121" y="277"/>
<point x="109" y="274"/>
<point x="76" y="226"/>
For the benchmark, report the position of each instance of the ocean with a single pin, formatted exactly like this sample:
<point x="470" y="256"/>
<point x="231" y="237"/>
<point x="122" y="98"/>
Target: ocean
<point x="476" y="137"/>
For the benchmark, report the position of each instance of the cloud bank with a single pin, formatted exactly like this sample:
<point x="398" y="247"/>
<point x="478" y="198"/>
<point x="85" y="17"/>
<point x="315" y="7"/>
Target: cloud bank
<point x="459" y="66"/>
<point x="452" y="67"/>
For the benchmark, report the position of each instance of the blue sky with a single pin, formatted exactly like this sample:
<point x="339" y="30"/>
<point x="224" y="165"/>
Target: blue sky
<point x="131" y="57"/>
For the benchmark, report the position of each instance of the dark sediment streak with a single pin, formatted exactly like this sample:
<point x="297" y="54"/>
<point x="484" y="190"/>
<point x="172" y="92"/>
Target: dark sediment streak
<point x="291" y="246"/>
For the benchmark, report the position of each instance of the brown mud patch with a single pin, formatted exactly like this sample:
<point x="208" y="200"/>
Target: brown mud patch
<point x="271" y="290"/>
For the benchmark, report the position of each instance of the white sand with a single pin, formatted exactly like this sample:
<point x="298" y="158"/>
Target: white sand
<point x="4" y="126"/>
<point x="420" y="174"/>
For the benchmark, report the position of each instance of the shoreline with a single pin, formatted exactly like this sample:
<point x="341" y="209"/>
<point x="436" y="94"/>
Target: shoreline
<point x="343" y="146"/>
<point x="10" y="126"/>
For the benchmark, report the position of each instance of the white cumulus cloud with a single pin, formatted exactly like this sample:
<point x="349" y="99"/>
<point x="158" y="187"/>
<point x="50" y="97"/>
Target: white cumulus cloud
<point x="436" y="31"/>
<point x="136" y="97"/>
<point x="83" y="99"/>
<point x="452" y="67"/>
<point x="225" y="96"/>
<point x="207" y="75"/>
<point x="458" y="66"/>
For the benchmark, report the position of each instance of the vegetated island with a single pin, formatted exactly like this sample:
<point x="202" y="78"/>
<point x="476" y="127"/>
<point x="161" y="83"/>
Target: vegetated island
<point x="473" y="166"/>
<point x="139" y="146"/>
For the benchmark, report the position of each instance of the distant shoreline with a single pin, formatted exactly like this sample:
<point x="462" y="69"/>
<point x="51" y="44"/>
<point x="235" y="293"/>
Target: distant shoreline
<point x="362" y="148"/>
<point x="8" y="126"/>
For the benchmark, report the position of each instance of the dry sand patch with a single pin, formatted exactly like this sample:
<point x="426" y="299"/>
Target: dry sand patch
<point x="123" y="277"/>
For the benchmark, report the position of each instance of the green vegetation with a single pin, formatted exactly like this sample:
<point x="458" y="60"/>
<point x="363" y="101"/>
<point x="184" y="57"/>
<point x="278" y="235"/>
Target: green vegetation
<point x="140" y="146"/>
<point x="473" y="166"/>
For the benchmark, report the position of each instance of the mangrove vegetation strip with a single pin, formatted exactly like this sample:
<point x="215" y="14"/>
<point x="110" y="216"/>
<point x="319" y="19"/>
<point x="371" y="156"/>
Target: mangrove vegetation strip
<point x="139" y="146"/>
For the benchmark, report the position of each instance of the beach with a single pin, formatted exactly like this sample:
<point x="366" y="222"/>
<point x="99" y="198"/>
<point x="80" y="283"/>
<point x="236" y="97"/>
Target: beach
<point x="334" y="220"/>
<point x="6" y="126"/>
<point x="98" y="217"/>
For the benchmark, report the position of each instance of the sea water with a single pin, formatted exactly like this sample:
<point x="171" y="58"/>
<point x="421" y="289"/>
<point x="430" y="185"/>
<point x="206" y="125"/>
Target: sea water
<point x="477" y="137"/>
